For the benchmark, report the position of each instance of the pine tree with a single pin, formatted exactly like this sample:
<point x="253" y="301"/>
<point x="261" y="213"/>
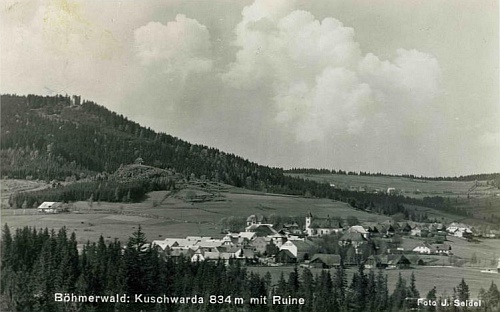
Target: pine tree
<point x="463" y="291"/>
<point x="399" y="295"/>
<point x="339" y="285"/>
<point x="381" y="293"/>
<point x="293" y="281"/>
<point x="307" y="288"/>
<point x="432" y="296"/>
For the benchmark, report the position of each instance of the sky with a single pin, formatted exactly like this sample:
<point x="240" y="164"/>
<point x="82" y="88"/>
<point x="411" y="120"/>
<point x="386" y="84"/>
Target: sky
<point x="402" y="87"/>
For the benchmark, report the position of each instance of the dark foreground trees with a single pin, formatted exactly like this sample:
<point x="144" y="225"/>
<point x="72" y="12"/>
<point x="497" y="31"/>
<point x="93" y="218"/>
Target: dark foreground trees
<point x="44" y="270"/>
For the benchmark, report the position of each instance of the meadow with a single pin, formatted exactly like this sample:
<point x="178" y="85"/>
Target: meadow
<point x="417" y="188"/>
<point x="162" y="215"/>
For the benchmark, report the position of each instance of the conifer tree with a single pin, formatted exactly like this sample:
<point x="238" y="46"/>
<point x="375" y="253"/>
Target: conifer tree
<point x="463" y="291"/>
<point x="381" y="293"/>
<point x="432" y="296"/>
<point x="399" y="295"/>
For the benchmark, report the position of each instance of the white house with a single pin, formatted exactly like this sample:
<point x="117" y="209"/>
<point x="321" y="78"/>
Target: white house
<point x="424" y="249"/>
<point x="50" y="207"/>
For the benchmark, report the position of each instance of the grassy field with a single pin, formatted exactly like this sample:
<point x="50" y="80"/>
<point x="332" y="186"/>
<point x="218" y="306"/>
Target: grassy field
<point x="163" y="216"/>
<point x="481" y="199"/>
<point x="409" y="187"/>
<point x="444" y="278"/>
<point x="10" y="186"/>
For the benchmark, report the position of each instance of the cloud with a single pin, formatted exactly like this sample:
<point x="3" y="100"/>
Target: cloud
<point x="182" y="46"/>
<point x="322" y="85"/>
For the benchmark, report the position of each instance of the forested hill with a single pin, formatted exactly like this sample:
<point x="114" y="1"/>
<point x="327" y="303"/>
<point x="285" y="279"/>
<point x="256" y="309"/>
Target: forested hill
<point x="62" y="138"/>
<point x="59" y="137"/>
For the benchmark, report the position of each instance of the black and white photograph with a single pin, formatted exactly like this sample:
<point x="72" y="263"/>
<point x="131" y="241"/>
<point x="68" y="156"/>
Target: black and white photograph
<point x="249" y="155"/>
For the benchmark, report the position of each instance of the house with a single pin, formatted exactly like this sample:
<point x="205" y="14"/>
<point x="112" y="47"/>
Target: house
<point x="292" y="228"/>
<point x="443" y="249"/>
<point x="173" y="242"/>
<point x="416" y="260"/>
<point x="176" y="252"/>
<point x="301" y="250"/>
<point x="285" y="256"/>
<point x="242" y="238"/>
<point x="259" y="245"/>
<point x="416" y="231"/>
<point x="50" y="207"/>
<point x="256" y="219"/>
<point x="392" y="191"/>
<point x="424" y="249"/>
<point x="352" y="238"/>
<point x="374" y="261"/>
<point x="325" y="261"/>
<point x="208" y="245"/>
<point x="358" y="229"/>
<point x="405" y="228"/>
<point x="398" y="262"/>
<point x="321" y="226"/>
<point x="261" y="230"/>
<point x="460" y="230"/>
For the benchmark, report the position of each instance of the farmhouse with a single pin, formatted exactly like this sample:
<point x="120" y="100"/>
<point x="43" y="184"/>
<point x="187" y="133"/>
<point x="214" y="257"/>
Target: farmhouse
<point x="398" y="262"/>
<point x="460" y="230"/>
<point x="325" y="261"/>
<point x="358" y="229"/>
<point x="373" y="261"/>
<point x="424" y="249"/>
<point x="261" y="230"/>
<point x="50" y="207"/>
<point x="352" y="238"/>
<point x="256" y="219"/>
<point x="301" y="250"/>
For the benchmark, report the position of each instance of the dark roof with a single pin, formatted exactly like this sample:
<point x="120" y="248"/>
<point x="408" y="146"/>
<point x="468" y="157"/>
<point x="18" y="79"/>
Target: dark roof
<point x="353" y="237"/>
<point x="304" y="246"/>
<point x="285" y="252"/>
<point x="328" y="259"/>
<point x="398" y="259"/>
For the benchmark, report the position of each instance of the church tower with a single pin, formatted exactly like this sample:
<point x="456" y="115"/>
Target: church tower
<point x="308" y="221"/>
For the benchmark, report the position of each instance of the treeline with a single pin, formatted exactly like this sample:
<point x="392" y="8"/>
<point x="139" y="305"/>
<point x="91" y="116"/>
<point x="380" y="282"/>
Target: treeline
<point x="57" y="138"/>
<point x="91" y="191"/>
<point x="472" y="177"/>
<point x="37" y="264"/>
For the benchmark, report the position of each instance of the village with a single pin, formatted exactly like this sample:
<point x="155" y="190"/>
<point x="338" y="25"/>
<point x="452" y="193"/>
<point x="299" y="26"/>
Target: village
<point x="376" y="245"/>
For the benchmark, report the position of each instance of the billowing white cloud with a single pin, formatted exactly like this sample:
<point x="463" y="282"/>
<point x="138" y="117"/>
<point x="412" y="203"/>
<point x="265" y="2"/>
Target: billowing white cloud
<point x="322" y="85"/>
<point x="182" y="46"/>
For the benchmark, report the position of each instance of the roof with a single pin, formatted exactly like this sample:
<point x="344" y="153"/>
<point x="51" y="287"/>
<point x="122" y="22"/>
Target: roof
<point x="285" y="252"/>
<point x="209" y="243"/>
<point x="325" y="223"/>
<point x="304" y="245"/>
<point x="415" y="259"/>
<point x="398" y="259"/>
<point x="46" y="205"/>
<point x="262" y="229"/>
<point x="328" y="259"/>
<point x="353" y="237"/>
<point x="357" y="229"/>
<point x="247" y="235"/>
